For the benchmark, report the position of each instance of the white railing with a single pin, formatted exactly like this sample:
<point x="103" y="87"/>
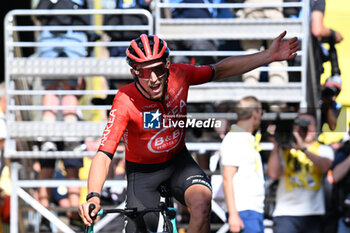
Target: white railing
<point x="240" y="29"/>
<point x="26" y="69"/>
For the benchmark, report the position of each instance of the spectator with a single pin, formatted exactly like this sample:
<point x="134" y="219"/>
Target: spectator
<point x="330" y="108"/>
<point x="69" y="115"/>
<point x="225" y="13"/>
<point x="45" y="195"/>
<point x="61" y="51"/>
<point x="242" y="165"/>
<point x="194" y="44"/>
<point x="252" y="46"/>
<point x="341" y="191"/>
<point x="255" y="45"/>
<point x="299" y="167"/>
<point x="59" y="195"/>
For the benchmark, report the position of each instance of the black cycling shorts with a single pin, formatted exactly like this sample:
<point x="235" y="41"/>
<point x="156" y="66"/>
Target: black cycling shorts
<point x="144" y="179"/>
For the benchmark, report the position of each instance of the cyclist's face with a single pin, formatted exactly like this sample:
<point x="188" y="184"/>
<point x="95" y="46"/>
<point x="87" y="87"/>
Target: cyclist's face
<point x="152" y="77"/>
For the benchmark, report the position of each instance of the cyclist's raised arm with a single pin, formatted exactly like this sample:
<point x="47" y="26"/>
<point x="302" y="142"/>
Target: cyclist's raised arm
<point x="278" y="51"/>
<point x="97" y="176"/>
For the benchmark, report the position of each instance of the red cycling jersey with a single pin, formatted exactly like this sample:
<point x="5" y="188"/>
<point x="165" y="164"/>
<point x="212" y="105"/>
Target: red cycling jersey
<point x="140" y="120"/>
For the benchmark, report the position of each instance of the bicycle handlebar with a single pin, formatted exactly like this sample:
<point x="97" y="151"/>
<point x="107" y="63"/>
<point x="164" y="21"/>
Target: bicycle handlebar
<point x="89" y="229"/>
<point x="132" y="213"/>
<point x="91" y="208"/>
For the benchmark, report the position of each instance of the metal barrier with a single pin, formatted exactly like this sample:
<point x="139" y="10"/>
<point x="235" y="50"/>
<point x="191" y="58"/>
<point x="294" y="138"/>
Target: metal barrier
<point x="239" y="29"/>
<point x="228" y="28"/>
<point x="20" y="76"/>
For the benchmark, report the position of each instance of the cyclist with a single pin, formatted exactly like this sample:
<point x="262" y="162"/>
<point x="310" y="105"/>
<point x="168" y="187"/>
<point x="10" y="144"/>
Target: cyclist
<point x="156" y="154"/>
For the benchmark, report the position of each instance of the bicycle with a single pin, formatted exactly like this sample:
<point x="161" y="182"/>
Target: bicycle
<point x="166" y="209"/>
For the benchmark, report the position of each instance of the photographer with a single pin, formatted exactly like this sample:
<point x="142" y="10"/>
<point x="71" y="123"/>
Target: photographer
<point x="333" y="115"/>
<point x="299" y="167"/>
<point x="341" y="188"/>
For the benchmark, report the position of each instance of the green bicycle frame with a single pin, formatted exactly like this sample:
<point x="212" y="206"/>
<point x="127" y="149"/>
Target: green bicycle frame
<point x="91" y="227"/>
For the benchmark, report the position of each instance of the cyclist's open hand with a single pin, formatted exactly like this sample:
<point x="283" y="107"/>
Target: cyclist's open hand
<point x="283" y="49"/>
<point x="84" y="212"/>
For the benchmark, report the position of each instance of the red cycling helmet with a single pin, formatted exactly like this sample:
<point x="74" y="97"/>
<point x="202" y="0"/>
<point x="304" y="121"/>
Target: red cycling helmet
<point x="146" y="48"/>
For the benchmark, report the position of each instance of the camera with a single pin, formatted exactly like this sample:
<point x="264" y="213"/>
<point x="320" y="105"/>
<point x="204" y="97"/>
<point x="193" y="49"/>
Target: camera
<point x="285" y="131"/>
<point x="331" y="88"/>
<point x="329" y="92"/>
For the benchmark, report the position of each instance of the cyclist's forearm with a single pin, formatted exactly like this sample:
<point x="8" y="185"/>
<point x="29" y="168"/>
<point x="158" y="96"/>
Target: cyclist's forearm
<point x="98" y="172"/>
<point x="237" y="65"/>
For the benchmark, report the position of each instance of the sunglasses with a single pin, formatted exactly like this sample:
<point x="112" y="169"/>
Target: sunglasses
<point x="145" y="73"/>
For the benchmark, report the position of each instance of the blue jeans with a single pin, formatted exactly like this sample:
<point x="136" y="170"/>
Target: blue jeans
<point x="71" y="51"/>
<point x="253" y="221"/>
<point x="297" y="224"/>
<point x="342" y="228"/>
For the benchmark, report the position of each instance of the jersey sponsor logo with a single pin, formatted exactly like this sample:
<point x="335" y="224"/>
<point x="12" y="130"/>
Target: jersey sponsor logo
<point x="149" y="107"/>
<point x="151" y="119"/>
<point x="199" y="179"/>
<point x="107" y="130"/>
<point x="174" y="98"/>
<point x="165" y="140"/>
